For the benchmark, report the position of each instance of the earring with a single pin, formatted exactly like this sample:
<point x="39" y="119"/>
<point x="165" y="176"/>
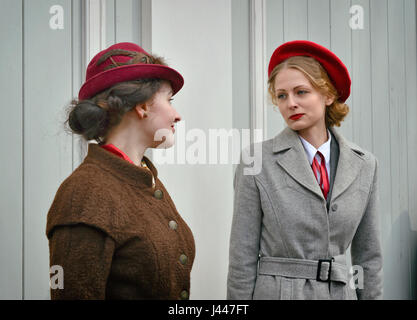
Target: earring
<point x="145" y="115"/>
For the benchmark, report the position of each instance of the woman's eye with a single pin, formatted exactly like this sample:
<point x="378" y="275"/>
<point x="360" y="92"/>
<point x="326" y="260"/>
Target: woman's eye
<point x="302" y="91"/>
<point x="280" y="96"/>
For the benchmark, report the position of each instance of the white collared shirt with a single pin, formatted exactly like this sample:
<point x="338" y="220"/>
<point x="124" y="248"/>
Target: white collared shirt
<point x="311" y="151"/>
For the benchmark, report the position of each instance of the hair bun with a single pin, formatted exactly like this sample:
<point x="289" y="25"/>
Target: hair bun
<point x="88" y="119"/>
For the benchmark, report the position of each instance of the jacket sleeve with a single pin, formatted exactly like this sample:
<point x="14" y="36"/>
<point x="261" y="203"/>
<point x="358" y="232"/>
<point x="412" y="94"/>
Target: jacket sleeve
<point x="366" y="247"/>
<point x="82" y="240"/>
<point x="244" y="238"/>
<point x="85" y="255"/>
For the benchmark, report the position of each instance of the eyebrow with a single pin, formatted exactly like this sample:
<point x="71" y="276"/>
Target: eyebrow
<point x="301" y="85"/>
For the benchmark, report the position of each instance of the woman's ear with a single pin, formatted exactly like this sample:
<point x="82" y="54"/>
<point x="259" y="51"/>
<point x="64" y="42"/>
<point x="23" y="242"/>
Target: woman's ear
<point x="141" y="110"/>
<point x="329" y="101"/>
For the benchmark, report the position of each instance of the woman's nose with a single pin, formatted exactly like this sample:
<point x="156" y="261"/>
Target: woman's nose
<point x="291" y="101"/>
<point x="177" y="116"/>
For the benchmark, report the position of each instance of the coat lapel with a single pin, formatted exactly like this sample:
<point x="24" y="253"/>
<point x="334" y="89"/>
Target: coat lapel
<point x="351" y="159"/>
<point x="334" y="159"/>
<point x="293" y="159"/>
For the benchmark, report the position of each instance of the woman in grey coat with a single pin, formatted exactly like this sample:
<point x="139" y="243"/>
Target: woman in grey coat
<point x="315" y="195"/>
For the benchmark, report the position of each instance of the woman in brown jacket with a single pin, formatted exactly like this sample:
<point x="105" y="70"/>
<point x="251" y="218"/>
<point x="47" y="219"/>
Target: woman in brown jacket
<point x="112" y="226"/>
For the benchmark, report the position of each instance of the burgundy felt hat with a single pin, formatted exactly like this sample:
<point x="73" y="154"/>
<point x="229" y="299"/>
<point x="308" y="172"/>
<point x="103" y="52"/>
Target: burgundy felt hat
<point x="124" y="61"/>
<point x="337" y="71"/>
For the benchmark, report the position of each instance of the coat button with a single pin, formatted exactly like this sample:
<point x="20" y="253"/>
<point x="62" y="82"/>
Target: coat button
<point x="334" y="207"/>
<point x="158" y="194"/>
<point x="173" y="225"/>
<point x="183" y="259"/>
<point x="184" y="295"/>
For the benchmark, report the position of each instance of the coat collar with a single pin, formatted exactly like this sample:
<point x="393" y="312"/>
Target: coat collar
<point x="293" y="159"/>
<point x="125" y="170"/>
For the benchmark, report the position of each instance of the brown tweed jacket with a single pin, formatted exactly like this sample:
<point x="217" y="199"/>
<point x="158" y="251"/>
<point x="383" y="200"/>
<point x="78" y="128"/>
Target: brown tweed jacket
<point x="117" y="237"/>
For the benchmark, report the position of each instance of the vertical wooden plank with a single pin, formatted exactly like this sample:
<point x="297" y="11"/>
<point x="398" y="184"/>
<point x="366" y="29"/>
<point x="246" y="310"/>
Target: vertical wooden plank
<point x="137" y="21"/>
<point x="11" y="169"/>
<point x="146" y="24"/>
<point x="274" y="38"/>
<point x="381" y="125"/>
<point x="295" y="20"/>
<point x="257" y="71"/>
<point x="110" y="23"/>
<point x="410" y="17"/>
<point x="240" y="64"/>
<point x="47" y="148"/>
<point x="78" y="73"/>
<point x="319" y="22"/>
<point x="341" y="45"/>
<point x="399" y="179"/>
<point x="124" y="20"/>
<point x="361" y="81"/>
<point x="95" y="27"/>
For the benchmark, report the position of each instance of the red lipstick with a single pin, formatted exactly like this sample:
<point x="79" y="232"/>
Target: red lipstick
<point x="296" y="116"/>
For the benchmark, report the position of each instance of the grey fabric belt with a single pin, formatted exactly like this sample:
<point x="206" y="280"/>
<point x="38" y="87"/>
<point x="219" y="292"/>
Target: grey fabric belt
<point x="319" y="270"/>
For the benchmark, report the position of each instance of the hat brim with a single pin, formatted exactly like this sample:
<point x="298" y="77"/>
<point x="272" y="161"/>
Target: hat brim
<point x="337" y="71"/>
<point x="110" y="77"/>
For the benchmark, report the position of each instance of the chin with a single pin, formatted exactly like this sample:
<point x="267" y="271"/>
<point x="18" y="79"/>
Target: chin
<point x="164" y="139"/>
<point x="297" y="126"/>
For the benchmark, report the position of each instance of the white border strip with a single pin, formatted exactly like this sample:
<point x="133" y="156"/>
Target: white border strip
<point x="95" y="14"/>
<point x="258" y="80"/>
<point x="94" y="40"/>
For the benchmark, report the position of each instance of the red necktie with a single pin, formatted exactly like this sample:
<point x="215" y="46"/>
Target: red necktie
<point x="324" y="179"/>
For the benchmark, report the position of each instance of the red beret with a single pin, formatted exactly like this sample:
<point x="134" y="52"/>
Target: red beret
<point x="124" y="61"/>
<point x="337" y="71"/>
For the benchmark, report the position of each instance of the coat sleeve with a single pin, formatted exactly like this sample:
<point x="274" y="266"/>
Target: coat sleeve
<point x="80" y="230"/>
<point x="244" y="238"/>
<point x="366" y="247"/>
<point x="85" y="255"/>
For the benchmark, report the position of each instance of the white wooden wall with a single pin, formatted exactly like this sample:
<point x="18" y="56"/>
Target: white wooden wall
<point x="11" y="171"/>
<point x="41" y="69"/>
<point x="37" y="78"/>
<point x="195" y="37"/>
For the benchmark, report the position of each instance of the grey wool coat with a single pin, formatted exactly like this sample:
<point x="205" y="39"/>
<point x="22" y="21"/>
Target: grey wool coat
<point x="288" y="242"/>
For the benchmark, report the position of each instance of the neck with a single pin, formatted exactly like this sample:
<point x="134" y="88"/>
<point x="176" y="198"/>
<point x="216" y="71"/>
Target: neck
<point x="129" y="142"/>
<point x="316" y="137"/>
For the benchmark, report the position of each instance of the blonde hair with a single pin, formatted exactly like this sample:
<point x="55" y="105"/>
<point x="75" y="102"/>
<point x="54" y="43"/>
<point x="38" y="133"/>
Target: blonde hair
<point x="317" y="76"/>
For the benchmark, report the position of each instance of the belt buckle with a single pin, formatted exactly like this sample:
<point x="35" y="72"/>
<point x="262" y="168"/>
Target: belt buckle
<point x="318" y="278"/>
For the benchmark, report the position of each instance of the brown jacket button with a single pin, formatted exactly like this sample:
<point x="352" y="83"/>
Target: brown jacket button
<point x="173" y="225"/>
<point x="184" y="295"/>
<point x="158" y="194"/>
<point x="183" y="259"/>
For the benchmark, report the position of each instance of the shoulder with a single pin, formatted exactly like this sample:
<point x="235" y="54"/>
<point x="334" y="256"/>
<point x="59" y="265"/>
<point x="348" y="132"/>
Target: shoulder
<point x="86" y="183"/>
<point x="252" y="157"/>
<point x="369" y="160"/>
<point x="364" y="154"/>
<point x="87" y="196"/>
